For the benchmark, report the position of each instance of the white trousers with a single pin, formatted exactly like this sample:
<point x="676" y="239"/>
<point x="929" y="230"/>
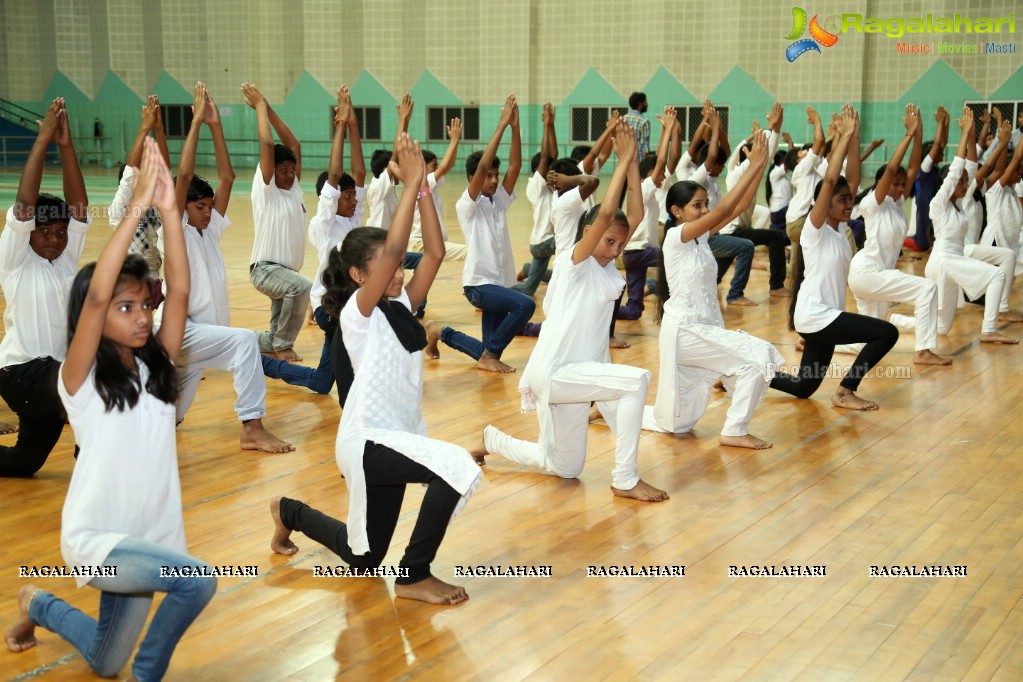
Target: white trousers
<point x="873" y="292"/>
<point x="949" y="272"/>
<point x="210" y="346"/>
<point x="704" y="364"/>
<point x="1004" y="260"/>
<point x="452" y="251"/>
<point x="569" y="404"/>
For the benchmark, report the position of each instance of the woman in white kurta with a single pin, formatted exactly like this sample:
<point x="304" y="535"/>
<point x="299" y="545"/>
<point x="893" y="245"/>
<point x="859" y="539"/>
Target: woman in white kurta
<point x="873" y="277"/>
<point x="382" y="443"/>
<point x="947" y="266"/>
<point x="695" y="348"/>
<point x="122" y="530"/>
<point x="571" y="365"/>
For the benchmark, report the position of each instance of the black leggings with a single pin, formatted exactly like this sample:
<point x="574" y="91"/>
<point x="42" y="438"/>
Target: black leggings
<point x="387" y="471"/>
<point x="30" y="389"/>
<point x="878" y="335"/>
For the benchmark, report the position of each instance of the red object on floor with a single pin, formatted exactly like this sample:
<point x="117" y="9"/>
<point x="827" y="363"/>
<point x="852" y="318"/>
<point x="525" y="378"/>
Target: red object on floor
<point x="910" y="244"/>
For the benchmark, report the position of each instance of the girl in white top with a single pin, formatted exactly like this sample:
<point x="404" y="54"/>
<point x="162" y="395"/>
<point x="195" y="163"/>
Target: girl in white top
<point x="818" y="303"/>
<point x="947" y="266"/>
<point x="873" y="277"/>
<point x="695" y="348"/>
<point x="122" y="523"/>
<point x="571" y="365"/>
<point x="382" y="443"/>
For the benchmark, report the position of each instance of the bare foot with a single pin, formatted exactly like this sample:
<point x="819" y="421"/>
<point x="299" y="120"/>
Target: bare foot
<point x="432" y="591"/>
<point x="781" y="292"/>
<point x="480" y="452"/>
<point x="748" y="441"/>
<point x="851" y="401"/>
<point x="6" y="428"/>
<point x="22" y="635"/>
<point x="288" y="355"/>
<point x="615" y="342"/>
<point x="800" y="344"/>
<point x="719" y="385"/>
<point x="642" y="491"/>
<point x="744" y="302"/>
<point x="491" y="364"/>
<point x="594" y="414"/>
<point x="256" y="437"/>
<point x="926" y="357"/>
<point x="1010" y="316"/>
<point x="433" y="329"/>
<point x="281" y="540"/>
<point x="997" y="337"/>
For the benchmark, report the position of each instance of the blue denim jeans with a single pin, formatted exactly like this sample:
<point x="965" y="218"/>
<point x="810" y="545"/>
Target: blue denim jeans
<point x="505" y="313"/>
<point x="124" y="604"/>
<point x="318" y="380"/>
<point x="541" y="254"/>
<point x="636" y="263"/>
<point x="725" y="248"/>
<point x="289" y="297"/>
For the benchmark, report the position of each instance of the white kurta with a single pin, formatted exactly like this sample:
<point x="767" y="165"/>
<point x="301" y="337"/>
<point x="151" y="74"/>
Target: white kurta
<point x="692" y="320"/>
<point x="385" y="406"/>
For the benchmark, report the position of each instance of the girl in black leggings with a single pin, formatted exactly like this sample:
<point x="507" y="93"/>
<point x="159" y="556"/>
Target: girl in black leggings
<point x="818" y="304"/>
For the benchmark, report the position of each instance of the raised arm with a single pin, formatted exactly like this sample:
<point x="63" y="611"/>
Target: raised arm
<point x="74" y="184"/>
<point x="1012" y="170"/>
<point x="940" y="135"/>
<point x="186" y="164"/>
<point x="175" y="264"/>
<point x="404" y="107"/>
<point x="511" y="175"/>
<point x="994" y="158"/>
<point x="355" y="145"/>
<point x="726" y="147"/>
<point x="702" y="131"/>
<point x="553" y="144"/>
<point x="915" y="155"/>
<point x="971" y="140"/>
<point x="335" y="167"/>
<point x="604" y="151"/>
<point x="286" y="137"/>
<point x="545" y="140"/>
<point x="715" y="141"/>
<point x="149" y="114"/>
<point x="874" y="144"/>
<point x="814" y="119"/>
<point x="854" y="166"/>
<point x="409" y="158"/>
<point x="32" y="173"/>
<point x="225" y="171"/>
<point x="476" y="182"/>
<point x="674" y="149"/>
<point x="819" y="212"/>
<point x="591" y="159"/>
<point x="633" y="192"/>
<point x="669" y="122"/>
<point x="448" y="161"/>
<point x="255" y="99"/>
<point x="912" y="123"/>
<point x="625" y="149"/>
<point x="433" y="245"/>
<point x="159" y="134"/>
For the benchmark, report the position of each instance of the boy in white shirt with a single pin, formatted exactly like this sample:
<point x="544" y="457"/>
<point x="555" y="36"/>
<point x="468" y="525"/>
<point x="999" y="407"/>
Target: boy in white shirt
<point x="339" y="210"/>
<point x="435" y="173"/>
<point x="209" y="342"/>
<point x="541" y="196"/>
<point x="278" y="213"/>
<point x="39" y="251"/>
<point x="489" y="268"/>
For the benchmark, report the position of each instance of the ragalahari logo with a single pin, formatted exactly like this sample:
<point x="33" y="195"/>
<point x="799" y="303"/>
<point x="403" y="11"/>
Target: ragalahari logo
<point x="817" y="36"/>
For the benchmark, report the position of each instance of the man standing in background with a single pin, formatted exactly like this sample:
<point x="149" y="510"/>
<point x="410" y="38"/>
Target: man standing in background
<point x="639" y="123"/>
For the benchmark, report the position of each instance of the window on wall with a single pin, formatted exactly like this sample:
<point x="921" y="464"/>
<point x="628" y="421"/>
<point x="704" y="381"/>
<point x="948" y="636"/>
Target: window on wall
<point x="1011" y="110"/>
<point x="589" y="122"/>
<point x="438" y="118"/>
<point x="177" y="119"/>
<point x="689" y="118"/>
<point x="368" y="119"/>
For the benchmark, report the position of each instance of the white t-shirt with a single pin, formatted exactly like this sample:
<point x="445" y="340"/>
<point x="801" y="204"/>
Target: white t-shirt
<point x="566" y="210"/>
<point x="327" y="230"/>
<point x="1004" y="217"/>
<point x="805" y="177"/>
<point x="826" y="254"/>
<point x="702" y="177"/>
<point x="590" y="201"/>
<point x="542" y="198"/>
<point x="646" y="232"/>
<point x="685" y="168"/>
<point x="125" y="482"/>
<point x="36" y="292"/>
<point x="417" y="225"/>
<point x="948" y="219"/>
<point x="383" y="201"/>
<point x="207" y="299"/>
<point x="781" y="188"/>
<point x="279" y="219"/>
<point x="885" y="226"/>
<point x="485" y="224"/>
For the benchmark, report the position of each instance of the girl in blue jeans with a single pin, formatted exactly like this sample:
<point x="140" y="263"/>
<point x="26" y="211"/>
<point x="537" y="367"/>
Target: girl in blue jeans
<point x="122" y="530"/>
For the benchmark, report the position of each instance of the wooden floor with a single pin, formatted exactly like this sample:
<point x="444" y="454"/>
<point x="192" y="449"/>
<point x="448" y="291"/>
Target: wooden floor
<point x="933" y="478"/>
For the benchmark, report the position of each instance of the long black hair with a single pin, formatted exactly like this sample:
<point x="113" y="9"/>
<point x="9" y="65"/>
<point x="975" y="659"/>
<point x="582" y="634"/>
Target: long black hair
<point x="679" y="194"/>
<point x="798" y="266"/>
<point x="355" y="251"/>
<point x="118" y="385"/>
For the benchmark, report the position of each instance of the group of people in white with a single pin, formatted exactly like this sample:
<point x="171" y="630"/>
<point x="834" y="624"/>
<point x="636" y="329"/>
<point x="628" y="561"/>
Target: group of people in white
<point x="118" y="350"/>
